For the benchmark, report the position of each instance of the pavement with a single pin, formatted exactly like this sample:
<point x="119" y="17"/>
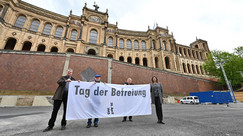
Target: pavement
<point x="180" y="120"/>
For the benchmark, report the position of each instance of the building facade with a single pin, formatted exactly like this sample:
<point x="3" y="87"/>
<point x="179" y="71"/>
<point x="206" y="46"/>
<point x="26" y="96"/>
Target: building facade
<point x="26" y="27"/>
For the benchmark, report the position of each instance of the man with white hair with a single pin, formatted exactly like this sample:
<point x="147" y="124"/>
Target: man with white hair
<point x="60" y="96"/>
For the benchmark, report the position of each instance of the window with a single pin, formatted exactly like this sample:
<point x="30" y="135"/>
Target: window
<point x="137" y="61"/>
<point x="145" y="62"/>
<point x="121" y="44"/>
<point x="143" y="45"/>
<point x="59" y="32"/>
<point x="164" y="45"/>
<point x="70" y="50"/>
<point x="34" y="25"/>
<point x="93" y="37"/>
<point x="167" y="62"/>
<point x="74" y="35"/>
<point x="129" y="60"/>
<point x="47" y="29"/>
<point x="156" y="60"/>
<point x="110" y="42"/>
<point x="121" y="58"/>
<point x="184" y="67"/>
<point x="10" y="44"/>
<point x="129" y="44"/>
<point x="20" y="21"/>
<point x="136" y="45"/>
<point x="153" y="44"/>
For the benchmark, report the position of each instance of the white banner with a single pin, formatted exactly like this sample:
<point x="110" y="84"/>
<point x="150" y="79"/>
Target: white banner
<point x="90" y="100"/>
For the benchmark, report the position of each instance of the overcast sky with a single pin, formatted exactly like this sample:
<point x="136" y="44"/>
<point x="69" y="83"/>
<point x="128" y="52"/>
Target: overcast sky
<point x="220" y="22"/>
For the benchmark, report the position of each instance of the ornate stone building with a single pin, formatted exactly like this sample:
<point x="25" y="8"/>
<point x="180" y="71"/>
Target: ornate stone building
<point x="26" y="27"/>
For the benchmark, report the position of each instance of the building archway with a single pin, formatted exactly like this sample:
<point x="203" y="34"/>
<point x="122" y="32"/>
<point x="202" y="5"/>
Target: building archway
<point x="121" y="58"/>
<point x="70" y="50"/>
<point x="129" y="60"/>
<point x="91" y="52"/>
<point x="184" y="67"/>
<point x="188" y="68"/>
<point x="27" y="46"/>
<point x="54" y="49"/>
<point x="137" y="61"/>
<point x="156" y="60"/>
<point x="110" y="56"/>
<point x="145" y="62"/>
<point x="167" y="62"/>
<point x="10" y="44"/>
<point x="41" y="47"/>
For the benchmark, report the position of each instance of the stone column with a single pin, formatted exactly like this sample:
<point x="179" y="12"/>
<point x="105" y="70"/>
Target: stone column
<point x="81" y="31"/>
<point x="116" y="41"/>
<point x="105" y="36"/>
<point x="160" y="46"/>
<point x="65" y="36"/>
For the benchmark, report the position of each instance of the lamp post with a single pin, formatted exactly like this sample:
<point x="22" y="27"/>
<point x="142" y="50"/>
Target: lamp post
<point x="227" y="82"/>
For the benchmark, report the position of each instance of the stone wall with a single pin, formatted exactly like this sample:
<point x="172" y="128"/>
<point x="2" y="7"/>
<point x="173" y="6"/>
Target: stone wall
<point x="40" y="71"/>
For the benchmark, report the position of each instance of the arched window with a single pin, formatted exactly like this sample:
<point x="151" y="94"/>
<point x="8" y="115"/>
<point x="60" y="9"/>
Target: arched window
<point x="91" y="52"/>
<point x="59" y="31"/>
<point x="41" y="47"/>
<point x="196" y="46"/>
<point x="145" y="62"/>
<point x="1" y="8"/>
<point x="156" y="62"/>
<point x="54" y="49"/>
<point x="34" y="25"/>
<point x="121" y="58"/>
<point x="110" y="42"/>
<point x="164" y="45"/>
<point x="167" y="62"/>
<point x="185" y="52"/>
<point x="198" y="72"/>
<point x="201" y="57"/>
<point x="153" y="44"/>
<point x="129" y="60"/>
<point x="47" y="29"/>
<point x="201" y="70"/>
<point x="193" y="54"/>
<point x="189" y="68"/>
<point x="136" y="45"/>
<point x="70" y="50"/>
<point x="10" y="44"/>
<point x="20" y="21"/>
<point x="121" y="44"/>
<point x="197" y="54"/>
<point x="93" y="37"/>
<point x="74" y="35"/>
<point x="129" y="44"/>
<point x="193" y="69"/>
<point x="110" y="56"/>
<point x="180" y="51"/>
<point x="137" y="61"/>
<point x="27" y="46"/>
<point x="143" y="45"/>
<point x="184" y="67"/>
<point x="189" y="53"/>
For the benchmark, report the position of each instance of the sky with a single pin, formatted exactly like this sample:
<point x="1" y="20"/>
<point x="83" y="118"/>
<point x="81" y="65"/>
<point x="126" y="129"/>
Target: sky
<point x="220" y="22"/>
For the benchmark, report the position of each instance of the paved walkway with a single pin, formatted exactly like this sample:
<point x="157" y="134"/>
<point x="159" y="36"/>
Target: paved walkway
<point x="181" y="120"/>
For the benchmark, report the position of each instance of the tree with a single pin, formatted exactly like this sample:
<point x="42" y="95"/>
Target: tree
<point x="239" y="51"/>
<point x="233" y="64"/>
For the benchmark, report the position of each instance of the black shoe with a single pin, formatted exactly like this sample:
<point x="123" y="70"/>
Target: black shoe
<point x="48" y="129"/>
<point x="63" y="127"/>
<point x="123" y="120"/>
<point x="95" y="125"/>
<point x="88" y="126"/>
<point x="160" y="122"/>
<point x="130" y="120"/>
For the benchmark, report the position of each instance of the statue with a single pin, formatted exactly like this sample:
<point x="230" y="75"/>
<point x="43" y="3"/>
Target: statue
<point x="96" y="6"/>
<point x="85" y="5"/>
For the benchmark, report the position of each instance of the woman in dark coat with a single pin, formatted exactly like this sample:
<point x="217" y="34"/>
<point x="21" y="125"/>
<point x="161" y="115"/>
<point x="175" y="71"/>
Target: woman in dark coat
<point x="157" y="96"/>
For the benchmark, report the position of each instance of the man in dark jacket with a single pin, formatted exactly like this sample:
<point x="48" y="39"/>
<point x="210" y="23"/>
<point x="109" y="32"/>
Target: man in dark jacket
<point x="60" y="96"/>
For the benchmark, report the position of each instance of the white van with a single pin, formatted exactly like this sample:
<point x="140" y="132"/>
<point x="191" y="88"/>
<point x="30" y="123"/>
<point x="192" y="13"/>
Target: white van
<point x="190" y="100"/>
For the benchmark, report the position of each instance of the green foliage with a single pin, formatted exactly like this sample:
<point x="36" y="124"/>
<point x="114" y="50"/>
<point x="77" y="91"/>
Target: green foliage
<point x="232" y="63"/>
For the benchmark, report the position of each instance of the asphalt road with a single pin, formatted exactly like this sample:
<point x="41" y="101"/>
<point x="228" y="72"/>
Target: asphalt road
<point x="180" y="120"/>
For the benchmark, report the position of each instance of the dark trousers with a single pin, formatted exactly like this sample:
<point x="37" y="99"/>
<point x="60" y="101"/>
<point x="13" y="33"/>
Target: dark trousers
<point x="125" y="118"/>
<point x="56" y="107"/>
<point x="96" y="120"/>
<point x="158" y="107"/>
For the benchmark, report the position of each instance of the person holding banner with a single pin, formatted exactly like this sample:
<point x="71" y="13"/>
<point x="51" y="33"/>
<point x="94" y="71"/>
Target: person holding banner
<point x="129" y="82"/>
<point x="96" y="120"/>
<point x="157" y="96"/>
<point x="60" y="97"/>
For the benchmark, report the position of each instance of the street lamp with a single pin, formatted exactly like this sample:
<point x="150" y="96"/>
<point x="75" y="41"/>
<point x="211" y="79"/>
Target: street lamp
<point x="227" y="81"/>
